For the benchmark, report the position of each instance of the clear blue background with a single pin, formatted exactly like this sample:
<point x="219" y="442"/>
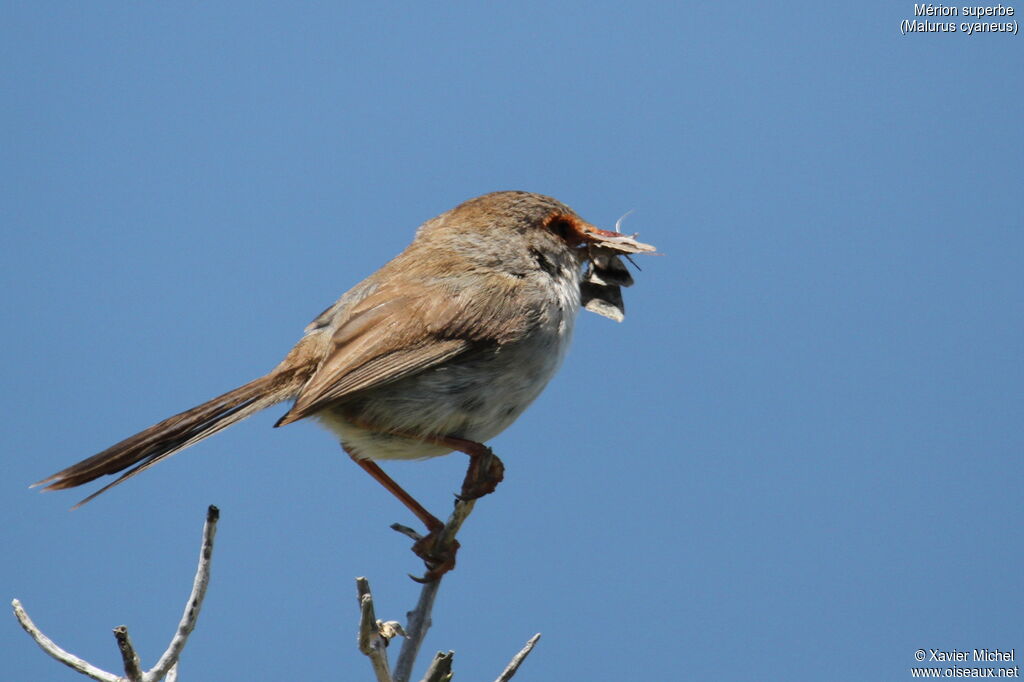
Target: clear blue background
<point x="798" y="458"/>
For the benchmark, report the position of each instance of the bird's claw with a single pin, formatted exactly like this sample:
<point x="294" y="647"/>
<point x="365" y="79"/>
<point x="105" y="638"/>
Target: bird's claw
<point x="484" y="474"/>
<point x="438" y="553"/>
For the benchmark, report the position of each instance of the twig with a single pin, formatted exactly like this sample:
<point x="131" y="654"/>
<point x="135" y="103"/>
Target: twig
<point x="440" y="669"/>
<point x="132" y="671"/>
<point x="463" y="509"/>
<point x="407" y="532"/>
<point x="65" y="657"/>
<point x="371" y="642"/>
<point x="417" y="625"/>
<point x="167" y="666"/>
<point x="419" y="620"/>
<point x="517" y="660"/>
<point x="195" y="601"/>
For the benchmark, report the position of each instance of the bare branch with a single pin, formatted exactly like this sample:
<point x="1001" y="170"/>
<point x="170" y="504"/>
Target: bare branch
<point x="463" y="509"/>
<point x="517" y="660"/>
<point x="440" y="669"/>
<point x="167" y="666"/>
<point x="371" y="642"/>
<point x="419" y="620"/>
<point x="47" y="645"/>
<point x="417" y="625"/>
<point x="132" y="671"/>
<point x="195" y="601"/>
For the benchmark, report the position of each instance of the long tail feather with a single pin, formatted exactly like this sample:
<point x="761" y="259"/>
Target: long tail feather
<point x="173" y="434"/>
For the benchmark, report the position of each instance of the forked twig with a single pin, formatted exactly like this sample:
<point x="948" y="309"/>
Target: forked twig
<point x="167" y="666"/>
<point x="371" y="640"/>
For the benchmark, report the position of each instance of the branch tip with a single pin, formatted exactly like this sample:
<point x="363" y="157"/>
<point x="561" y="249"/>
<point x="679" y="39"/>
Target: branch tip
<point x="440" y="669"/>
<point x="130" y="659"/>
<point x="518" y="659"/>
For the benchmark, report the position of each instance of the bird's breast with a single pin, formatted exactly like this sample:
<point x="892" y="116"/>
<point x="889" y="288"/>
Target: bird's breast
<point x="474" y="396"/>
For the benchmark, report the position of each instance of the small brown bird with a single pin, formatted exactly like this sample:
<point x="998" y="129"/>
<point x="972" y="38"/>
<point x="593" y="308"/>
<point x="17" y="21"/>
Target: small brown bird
<point x="439" y="350"/>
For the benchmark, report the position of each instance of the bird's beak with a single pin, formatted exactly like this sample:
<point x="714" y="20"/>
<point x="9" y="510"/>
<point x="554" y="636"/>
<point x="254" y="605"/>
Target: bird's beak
<point x="613" y="241"/>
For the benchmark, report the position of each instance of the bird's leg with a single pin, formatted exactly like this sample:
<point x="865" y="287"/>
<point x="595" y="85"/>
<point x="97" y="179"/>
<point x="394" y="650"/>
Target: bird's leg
<point x="437" y="552"/>
<point x="369" y="466"/>
<point x="485" y="470"/>
<point x="484" y="474"/>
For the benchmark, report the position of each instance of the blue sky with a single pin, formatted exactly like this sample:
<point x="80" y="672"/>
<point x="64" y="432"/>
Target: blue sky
<point x="798" y="458"/>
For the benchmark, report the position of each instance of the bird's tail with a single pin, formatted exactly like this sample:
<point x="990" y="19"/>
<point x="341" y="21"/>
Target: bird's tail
<point x="176" y="433"/>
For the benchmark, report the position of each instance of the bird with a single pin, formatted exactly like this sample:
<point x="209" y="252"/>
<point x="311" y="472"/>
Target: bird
<point x="439" y="350"/>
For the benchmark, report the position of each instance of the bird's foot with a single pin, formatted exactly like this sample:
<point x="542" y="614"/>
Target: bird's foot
<point x="437" y="549"/>
<point x="484" y="474"/>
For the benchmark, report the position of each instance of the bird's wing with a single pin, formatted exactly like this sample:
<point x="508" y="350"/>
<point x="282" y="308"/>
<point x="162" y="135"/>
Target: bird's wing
<point x="398" y="331"/>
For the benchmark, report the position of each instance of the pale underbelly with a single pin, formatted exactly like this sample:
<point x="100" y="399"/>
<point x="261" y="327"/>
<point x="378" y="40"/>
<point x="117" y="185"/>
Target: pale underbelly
<point x="474" y="399"/>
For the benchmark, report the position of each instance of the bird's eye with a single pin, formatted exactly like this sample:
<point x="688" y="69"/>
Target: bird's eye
<point x="564" y="229"/>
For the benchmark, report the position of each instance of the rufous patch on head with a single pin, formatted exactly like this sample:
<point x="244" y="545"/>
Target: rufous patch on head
<point x="577" y="232"/>
<point x="568" y="227"/>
